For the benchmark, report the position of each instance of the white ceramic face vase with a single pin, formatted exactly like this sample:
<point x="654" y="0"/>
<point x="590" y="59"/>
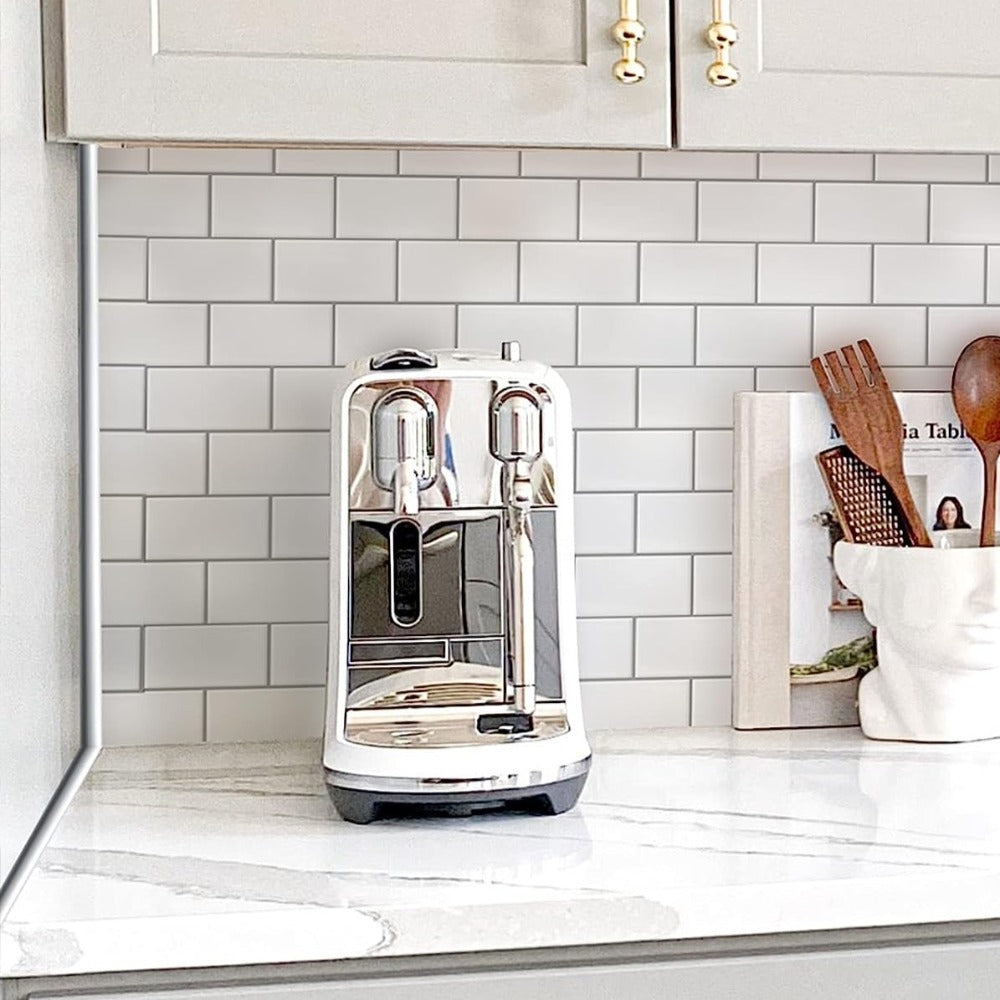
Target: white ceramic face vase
<point x="937" y="612"/>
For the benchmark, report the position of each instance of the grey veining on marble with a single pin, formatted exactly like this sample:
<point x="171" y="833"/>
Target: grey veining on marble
<point x="231" y="855"/>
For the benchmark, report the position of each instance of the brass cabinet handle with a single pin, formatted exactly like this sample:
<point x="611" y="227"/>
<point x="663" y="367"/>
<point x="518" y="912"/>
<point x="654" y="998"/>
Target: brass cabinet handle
<point x="628" y="32"/>
<point x="722" y="36"/>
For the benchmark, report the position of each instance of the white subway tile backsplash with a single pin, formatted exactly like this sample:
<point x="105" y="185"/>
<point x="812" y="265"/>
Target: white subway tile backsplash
<point x="993" y="274"/>
<point x="202" y="656"/>
<point x="120" y="658"/>
<point x="298" y="654"/>
<point x="335" y="161"/>
<point x="459" y="162"/>
<point x="612" y="586"/>
<point x="153" y="717"/>
<point x="546" y="333"/>
<point x="683" y="647"/>
<point x="604" y="523"/>
<point x="636" y="335"/>
<point x="396" y="208"/>
<point x="578" y="272"/>
<point x="950" y="328"/>
<point x="605" y="646"/>
<point x="272" y="206"/>
<point x="897" y="333"/>
<point x="690" y="397"/>
<point x="699" y="166"/>
<point x="183" y="399"/>
<point x="121" y="527"/>
<point x="121" y="268"/>
<point x="713" y="460"/>
<point x="152" y="205"/>
<point x="303" y="398"/>
<point x="749" y="211"/>
<point x="579" y="163"/>
<point x="130" y="159"/>
<point x="685" y="522"/>
<point x="871" y="213"/>
<point x="928" y="274"/>
<point x="697" y="272"/>
<point x="784" y="380"/>
<point x="206" y="528"/>
<point x="210" y="160"/>
<point x="601" y="397"/>
<point x="817" y="166"/>
<point x="275" y="590"/>
<point x="213" y="270"/>
<point x="228" y="300"/>
<point x="147" y="333"/>
<point x="637" y="210"/>
<point x="334" y="271"/>
<point x="815" y="273"/>
<point x="713" y="585"/>
<point x="300" y="527"/>
<point x="633" y="460"/>
<point x="271" y="334"/>
<point x="965" y="213"/>
<point x="457" y="271"/>
<point x="946" y="167"/>
<point x="150" y="593"/>
<point x="372" y="329"/>
<point x="269" y="463"/>
<point x="149" y="464"/>
<point x="994" y="169"/>
<point x="749" y="335"/>
<point x="518" y="209"/>
<point x="919" y="379"/>
<point x="268" y="714"/>
<point x="122" y="399"/>
<point x="635" y="704"/>
<point x="711" y="701"/>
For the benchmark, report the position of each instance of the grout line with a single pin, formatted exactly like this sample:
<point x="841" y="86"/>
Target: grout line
<point x="142" y="658"/>
<point x="204" y="716"/>
<point x="267" y="657"/>
<point x="927" y="335"/>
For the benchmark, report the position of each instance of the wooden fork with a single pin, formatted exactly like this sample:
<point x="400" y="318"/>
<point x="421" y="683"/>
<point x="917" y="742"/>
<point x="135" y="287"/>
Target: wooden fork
<point x="869" y="422"/>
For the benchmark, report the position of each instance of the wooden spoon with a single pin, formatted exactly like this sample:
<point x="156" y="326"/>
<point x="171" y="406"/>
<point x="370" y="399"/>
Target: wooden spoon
<point x="975" y="389"/>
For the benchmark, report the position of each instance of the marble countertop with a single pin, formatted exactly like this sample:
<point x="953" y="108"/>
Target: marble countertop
<point x="231" y="855"/>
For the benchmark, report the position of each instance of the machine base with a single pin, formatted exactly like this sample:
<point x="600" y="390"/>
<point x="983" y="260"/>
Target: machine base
<point x="358" y="806"/>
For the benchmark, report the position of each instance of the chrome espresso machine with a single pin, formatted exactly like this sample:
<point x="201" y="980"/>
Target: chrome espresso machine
<point x="453" y="681"/>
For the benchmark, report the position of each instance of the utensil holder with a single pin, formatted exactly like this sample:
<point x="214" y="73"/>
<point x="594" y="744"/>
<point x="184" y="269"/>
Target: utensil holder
<point x="937" y="616"/>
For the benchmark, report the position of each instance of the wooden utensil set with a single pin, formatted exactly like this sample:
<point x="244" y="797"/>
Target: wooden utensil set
<point x="865" y="478"/>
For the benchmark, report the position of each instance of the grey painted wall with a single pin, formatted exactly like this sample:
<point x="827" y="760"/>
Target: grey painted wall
<point x="39" y="537"/>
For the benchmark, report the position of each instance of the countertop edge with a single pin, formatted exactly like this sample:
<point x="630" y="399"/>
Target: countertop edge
<point x="529" y="959"/>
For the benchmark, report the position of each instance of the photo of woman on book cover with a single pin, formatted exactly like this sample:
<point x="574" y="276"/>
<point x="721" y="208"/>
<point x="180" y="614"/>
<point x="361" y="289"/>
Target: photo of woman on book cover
<point x="950" y="515"/>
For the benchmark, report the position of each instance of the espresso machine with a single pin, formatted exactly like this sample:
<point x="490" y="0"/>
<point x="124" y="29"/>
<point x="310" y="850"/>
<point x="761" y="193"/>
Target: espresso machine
<point x="453" y="682"/>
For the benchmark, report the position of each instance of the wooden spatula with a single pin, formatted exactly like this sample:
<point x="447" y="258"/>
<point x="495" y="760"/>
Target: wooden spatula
<point x="863" y="408"/>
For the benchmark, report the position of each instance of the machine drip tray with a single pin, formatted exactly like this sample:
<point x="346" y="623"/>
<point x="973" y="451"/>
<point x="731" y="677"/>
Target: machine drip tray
<point x="505" y="722"/>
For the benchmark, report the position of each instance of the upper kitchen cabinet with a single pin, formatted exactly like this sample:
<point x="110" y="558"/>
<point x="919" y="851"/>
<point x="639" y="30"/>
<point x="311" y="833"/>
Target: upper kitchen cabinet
<point x="487" y="72"/>
<point x="894" y="75"/>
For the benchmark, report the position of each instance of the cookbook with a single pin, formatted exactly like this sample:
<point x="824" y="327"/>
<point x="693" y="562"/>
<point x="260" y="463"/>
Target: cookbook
<point x="801" y="642"/>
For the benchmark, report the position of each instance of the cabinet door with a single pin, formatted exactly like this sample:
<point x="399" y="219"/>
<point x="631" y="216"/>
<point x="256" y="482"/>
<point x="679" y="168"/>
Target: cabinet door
<point x="486" y="72"/>
<point x="893" y="75"/>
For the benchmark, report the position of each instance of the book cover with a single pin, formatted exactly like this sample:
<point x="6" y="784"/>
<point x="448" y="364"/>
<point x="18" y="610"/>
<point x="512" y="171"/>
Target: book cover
<point x="801" y="641"/>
